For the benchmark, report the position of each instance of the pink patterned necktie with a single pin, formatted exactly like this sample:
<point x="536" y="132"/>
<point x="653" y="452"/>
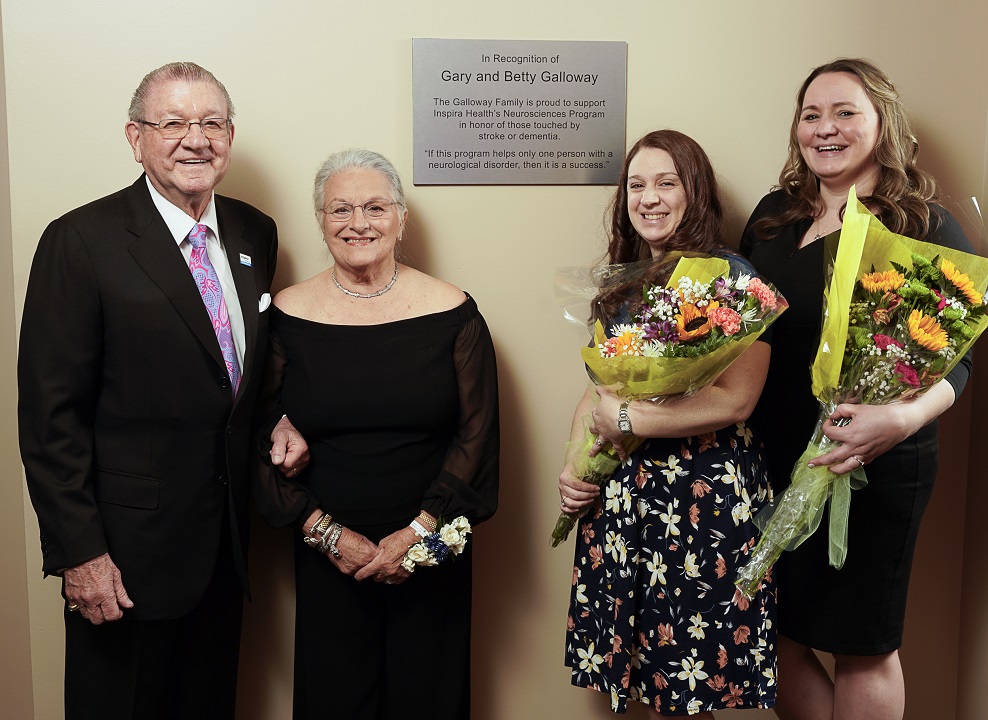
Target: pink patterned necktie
<point x="208" y="283"/>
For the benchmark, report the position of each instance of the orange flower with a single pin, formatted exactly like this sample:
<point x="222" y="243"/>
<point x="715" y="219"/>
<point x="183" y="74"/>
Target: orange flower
<point x="882" y="281"/>
<point x="740" y="600"/>
<point x="692" y="321"/>
<point x="665" y="633"/>
<point x="927" y="331"/>
<point x="627" y="343"/>
<point x="733" y="697"/>
<point x="596" y="556"/>
<point x="881" y="316"/>
<point x="741" y="634"/>
<point x="618" y="602"/>
<point x="962" y="282"/>
<point x="586" y="529"/>
<point x="700" y="488"/>
<point x="642" y="477"/>
<point x="720" y="568"/>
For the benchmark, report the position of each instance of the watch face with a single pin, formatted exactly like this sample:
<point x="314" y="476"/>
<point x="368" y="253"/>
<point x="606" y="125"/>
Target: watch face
<point x="624" y="422"/>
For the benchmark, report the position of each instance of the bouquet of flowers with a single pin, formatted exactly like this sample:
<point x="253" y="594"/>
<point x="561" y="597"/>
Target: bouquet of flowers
<point x="677" y="339"/>
<point x="898" y="316"/>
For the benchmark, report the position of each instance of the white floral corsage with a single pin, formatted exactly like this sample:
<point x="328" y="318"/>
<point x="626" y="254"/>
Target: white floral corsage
<point x="448" y="539"/>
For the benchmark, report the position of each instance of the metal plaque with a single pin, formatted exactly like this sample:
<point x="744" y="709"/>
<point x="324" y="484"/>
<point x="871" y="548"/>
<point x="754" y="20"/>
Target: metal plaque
<point x="518" y="112"/>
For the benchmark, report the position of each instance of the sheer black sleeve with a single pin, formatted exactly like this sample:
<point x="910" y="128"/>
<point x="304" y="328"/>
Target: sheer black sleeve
<point x="279" y="500"/>
<point x="468" y="482"/>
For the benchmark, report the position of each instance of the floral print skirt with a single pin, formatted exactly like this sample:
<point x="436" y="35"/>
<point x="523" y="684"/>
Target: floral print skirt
<point x="654" y="615"/>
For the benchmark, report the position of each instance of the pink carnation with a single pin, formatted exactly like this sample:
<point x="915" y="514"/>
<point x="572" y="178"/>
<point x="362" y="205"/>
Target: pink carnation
<point x="907" y="374"/>
<point x="883" y="341"/>
<point x="763" y="292"/>
<point x="726" y="319"/>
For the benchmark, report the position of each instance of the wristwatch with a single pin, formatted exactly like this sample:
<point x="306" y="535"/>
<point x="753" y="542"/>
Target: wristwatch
<point x="624" y="422"/>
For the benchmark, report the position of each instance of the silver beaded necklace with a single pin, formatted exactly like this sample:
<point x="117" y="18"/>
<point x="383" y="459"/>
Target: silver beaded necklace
<point x="362" y="296"/>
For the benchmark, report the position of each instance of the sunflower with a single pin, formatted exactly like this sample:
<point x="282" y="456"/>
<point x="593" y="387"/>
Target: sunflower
<point x="883" y="282"/>
<point x="927" y="331"/>
<point x="692" y="321"/>
<point x="964" y="284"/>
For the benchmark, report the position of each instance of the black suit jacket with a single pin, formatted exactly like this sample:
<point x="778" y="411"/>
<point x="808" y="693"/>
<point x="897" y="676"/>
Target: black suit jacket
<point x="132" y="441"/>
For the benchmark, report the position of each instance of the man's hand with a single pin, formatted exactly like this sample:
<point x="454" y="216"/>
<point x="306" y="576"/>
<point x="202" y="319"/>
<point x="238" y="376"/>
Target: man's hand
<point x="289" y="451"/>
<point x="96" y="588"/>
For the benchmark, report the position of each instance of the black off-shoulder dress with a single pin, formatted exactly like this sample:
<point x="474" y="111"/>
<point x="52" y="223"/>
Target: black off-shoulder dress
<point x="399" y="417"/>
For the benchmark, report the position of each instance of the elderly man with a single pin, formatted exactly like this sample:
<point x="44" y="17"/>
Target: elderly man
<point x="142" y="348"/>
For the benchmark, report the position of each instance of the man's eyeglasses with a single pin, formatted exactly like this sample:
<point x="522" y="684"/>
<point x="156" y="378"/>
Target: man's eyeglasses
<point x="344" y="211"/>
<point x="175" y="129"/>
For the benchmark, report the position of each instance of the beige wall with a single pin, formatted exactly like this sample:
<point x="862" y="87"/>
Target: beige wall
<point x="15" y="668"/>
<point x="314" y="76"/>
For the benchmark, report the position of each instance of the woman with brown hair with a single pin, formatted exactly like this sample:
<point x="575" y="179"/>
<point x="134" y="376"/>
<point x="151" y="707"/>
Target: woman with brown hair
<point x="654" y="615"/>
<point x="849" y="128"/>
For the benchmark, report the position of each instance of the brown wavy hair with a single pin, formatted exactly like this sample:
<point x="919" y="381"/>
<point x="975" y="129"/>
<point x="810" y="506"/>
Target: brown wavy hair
<point x="699" y="231"/>
<point x="902" y="193"/>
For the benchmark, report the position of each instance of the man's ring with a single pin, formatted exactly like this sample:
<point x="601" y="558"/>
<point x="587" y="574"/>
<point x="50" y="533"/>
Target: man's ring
<point x="389" y="582"/>
<point x="600" y="442"/>
<point x="73" y="607"/>
<point x="861" y="463"/>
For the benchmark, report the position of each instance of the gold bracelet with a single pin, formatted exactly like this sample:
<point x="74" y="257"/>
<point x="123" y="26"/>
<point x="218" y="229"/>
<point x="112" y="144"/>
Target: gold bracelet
<point x="320" y="526"/>
<point x="429" y="523"/>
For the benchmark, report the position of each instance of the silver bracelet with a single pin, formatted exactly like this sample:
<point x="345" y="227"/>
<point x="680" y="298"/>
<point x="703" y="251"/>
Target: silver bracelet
<point x="333" y="537"/>
<point x="319" y="544"/>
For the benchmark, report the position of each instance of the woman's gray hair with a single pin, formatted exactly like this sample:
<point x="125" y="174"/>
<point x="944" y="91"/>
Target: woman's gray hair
<point x="356" y="159"/>
<point x="187" y="71"/>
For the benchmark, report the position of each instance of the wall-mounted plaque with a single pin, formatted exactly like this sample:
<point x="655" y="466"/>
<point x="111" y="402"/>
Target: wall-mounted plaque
<point x="517" y="112"/>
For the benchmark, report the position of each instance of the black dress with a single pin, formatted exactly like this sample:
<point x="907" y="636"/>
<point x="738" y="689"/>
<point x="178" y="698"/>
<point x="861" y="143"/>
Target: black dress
<point x="858" y="610"/>
<point x="399" y="417"/>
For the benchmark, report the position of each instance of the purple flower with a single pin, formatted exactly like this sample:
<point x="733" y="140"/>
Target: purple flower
<point x="723" y="290"/>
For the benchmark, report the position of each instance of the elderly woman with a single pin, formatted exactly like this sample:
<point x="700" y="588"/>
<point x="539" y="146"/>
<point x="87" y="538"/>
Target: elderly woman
<point x="849" y="128"/>
<point x="390" y="376"/>
<point x="654" y="615"/>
